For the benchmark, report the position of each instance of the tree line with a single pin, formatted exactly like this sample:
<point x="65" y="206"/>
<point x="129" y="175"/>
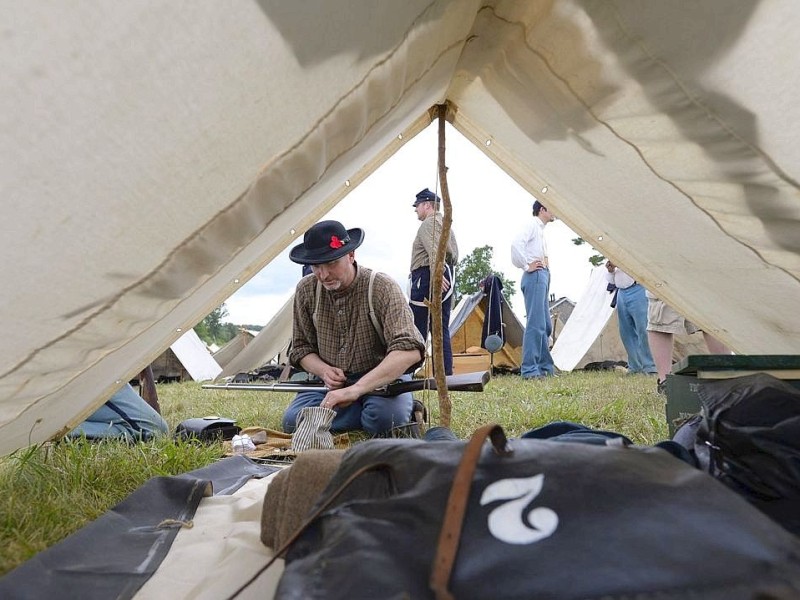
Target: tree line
<point x="212" y="330"/>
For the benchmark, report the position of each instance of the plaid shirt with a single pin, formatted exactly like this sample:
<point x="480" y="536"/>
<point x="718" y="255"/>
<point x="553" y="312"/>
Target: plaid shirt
<point x="346" y="337"/>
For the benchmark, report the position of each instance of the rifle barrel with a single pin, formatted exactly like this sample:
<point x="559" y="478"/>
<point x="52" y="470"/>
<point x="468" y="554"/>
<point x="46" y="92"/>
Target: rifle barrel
<point x="266" y="387"/>
<point x="466" y="382"/>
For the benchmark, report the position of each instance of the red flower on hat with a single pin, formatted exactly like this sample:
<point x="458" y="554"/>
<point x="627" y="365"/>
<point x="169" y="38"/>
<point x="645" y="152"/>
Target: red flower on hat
<point x="336" y="242"/>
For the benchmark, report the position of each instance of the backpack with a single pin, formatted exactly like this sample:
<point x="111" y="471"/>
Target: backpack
<point x="532" y="518"/>
<point x="747" y="435"/>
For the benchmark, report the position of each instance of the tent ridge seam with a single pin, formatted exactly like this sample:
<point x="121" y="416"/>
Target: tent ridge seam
<point x="360" y="84"/>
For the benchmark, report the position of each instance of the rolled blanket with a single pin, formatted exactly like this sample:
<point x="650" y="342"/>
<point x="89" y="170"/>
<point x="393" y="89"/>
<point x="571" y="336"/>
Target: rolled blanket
<point x="293" y="492"/>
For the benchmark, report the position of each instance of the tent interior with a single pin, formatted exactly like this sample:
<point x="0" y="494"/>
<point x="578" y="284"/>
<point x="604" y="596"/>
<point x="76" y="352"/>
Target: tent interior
<point x="156" y="156"/>
<point x="665" y="133"/>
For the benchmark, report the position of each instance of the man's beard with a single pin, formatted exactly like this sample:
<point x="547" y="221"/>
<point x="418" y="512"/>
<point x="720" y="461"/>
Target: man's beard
<point x="332" y="286"/>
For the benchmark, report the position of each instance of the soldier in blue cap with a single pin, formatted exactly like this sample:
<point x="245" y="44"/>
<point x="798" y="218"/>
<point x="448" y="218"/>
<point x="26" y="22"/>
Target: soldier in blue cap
<point x="423" y="257"/>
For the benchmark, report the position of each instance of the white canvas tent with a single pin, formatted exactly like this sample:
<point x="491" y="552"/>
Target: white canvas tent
<point x="271" y="342"/>
<point x="591" y="333"/>
<point x="155" y="156"/>
<point x="234" y="346"/>
<point x="587" y="323"/>
<point x="193" y="356"/>
<point x="607" y="346"/>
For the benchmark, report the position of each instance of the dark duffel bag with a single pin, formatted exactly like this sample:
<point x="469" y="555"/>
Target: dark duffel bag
<point x="533" y="519"/>
<point x="748" y="437"/>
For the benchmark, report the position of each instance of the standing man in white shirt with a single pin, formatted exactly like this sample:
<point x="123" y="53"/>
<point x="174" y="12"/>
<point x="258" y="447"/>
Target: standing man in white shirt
<point x="529" y="253"/>
<point x="631" y="305"/>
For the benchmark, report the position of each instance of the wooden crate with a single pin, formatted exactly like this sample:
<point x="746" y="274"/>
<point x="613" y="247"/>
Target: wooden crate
<point x="469" y="362"/>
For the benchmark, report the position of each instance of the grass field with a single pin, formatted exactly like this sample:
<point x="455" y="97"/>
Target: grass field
<point x="49" y="491"/>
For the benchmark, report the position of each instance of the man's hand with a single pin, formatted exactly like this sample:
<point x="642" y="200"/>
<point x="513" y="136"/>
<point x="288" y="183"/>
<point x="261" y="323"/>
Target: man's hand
<point x="341" y="397"/>
<point x="535" y="265"/>
<point x="390" y="368"/>
<point x="333" y="377"/>
<point x="445" y="284"/>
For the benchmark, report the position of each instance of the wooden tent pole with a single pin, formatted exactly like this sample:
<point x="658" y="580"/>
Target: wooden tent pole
<point x="147" y="388"/>
<point x="445" y="408"/>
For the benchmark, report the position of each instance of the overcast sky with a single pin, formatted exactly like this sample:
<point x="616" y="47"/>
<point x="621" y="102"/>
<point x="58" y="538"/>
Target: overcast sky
<point x="488" y="209"/>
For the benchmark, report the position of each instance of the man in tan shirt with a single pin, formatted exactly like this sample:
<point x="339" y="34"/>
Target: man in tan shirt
<point x="423" y="258"/>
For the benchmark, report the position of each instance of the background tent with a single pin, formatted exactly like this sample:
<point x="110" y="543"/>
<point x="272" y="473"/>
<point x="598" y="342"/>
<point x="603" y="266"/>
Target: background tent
<point x="466" y="327"/>
<point x="588" y="331"/>
<point x="156" y="156"/>
<point x="186" y="359"/>
<point x="586" y="323"/>
<point x="234" y="346"/>
<point x="607" y="344"/>
<point x="272" y="342"/>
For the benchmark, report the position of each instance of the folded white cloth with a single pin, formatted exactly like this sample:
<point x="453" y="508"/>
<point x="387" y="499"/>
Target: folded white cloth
<point x="242" y="443"/>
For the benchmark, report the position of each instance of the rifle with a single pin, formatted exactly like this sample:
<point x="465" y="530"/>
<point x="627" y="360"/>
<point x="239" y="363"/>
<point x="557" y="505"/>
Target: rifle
<point x="466" y="382"/>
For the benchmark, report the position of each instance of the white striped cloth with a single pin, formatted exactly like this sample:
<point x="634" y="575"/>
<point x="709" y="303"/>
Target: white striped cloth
<point x="313" y="429"/>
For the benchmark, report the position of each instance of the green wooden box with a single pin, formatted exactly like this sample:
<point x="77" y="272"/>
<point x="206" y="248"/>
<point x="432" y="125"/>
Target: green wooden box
<point x="687" y="375"/>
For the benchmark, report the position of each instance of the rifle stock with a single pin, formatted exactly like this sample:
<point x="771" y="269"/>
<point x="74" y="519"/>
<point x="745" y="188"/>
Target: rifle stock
<point x="466" y="382"/>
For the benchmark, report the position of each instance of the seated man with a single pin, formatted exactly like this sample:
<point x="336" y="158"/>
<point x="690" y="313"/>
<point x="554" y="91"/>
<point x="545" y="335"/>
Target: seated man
<point x="352" y="329"/>
<point x="126" y="416"/>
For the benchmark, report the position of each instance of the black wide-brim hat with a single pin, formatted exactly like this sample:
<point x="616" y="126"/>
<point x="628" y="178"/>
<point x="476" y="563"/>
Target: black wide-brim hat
<point x="325" y="242"/>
